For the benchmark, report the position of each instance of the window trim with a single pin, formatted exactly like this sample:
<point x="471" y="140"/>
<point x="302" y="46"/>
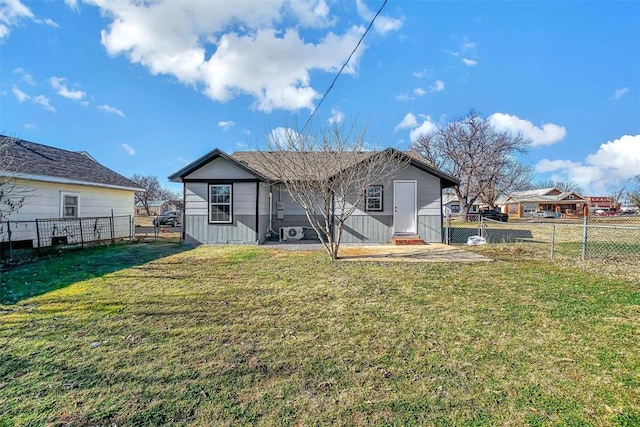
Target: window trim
<point x="64" y="194"/>
<point x="230" y="204"/>
<point x="367" y="198"/>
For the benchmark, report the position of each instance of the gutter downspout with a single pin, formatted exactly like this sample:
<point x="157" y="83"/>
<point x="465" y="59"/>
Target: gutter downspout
<point x="270" y="229"/>
<point x="184" y="211"/>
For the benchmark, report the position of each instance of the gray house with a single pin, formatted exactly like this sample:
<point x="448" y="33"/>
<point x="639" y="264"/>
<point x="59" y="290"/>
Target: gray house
<point x="231" y="199"/>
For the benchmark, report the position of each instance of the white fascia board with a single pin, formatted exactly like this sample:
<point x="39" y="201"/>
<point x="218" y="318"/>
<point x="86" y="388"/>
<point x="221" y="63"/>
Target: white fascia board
<point x="59" y="180"/>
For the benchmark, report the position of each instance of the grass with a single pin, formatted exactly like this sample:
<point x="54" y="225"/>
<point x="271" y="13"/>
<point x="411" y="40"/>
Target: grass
<point x="154" y="335"/>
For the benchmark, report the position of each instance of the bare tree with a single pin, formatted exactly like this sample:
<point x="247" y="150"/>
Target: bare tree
<point x="564" y="186"/>
<point x="616" y="197"/>
<point x="512" y="176"/>
<point x="472" y="150"/>
<point x="12" y="194"/>
<point x="327" y="172"/>
<point x="153" y="191"/>
<point x="634" y="195"/>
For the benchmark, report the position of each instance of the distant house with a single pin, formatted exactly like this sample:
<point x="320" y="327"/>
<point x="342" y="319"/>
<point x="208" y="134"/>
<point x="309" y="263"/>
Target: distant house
<point x="231" y="199"/>
<point x="521" y="204"/>
<point x="156" y="207"/>
<point x="451" y="205"/>
<point x="64" y="184"/>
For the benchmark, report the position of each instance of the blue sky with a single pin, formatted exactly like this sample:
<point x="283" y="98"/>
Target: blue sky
<point x="146" y="87"/>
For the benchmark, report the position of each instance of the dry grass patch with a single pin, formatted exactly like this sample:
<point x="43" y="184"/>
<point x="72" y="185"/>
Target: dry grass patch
<point x="257" y="336"/>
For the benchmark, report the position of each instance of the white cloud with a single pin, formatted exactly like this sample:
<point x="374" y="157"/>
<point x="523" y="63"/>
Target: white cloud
<point x="24" y="76"/>
<point x="62" y="90"/>
<point x="438" y="86"/>
<point x="20" y="95"/>
<point x="618" y="94"/>
<point x="73" y="4"/>
<point x="284" y="137"/>
<point x="177" y="38"/>
<point x="606" y="170"/>
<point x="111" y="110"/>
<point x="469" y="62"/>
<point x="337" y="116"/>
<point x="226" y="125"/>
<point x="408" y="121"/>
<point x="404" y="97"/>
<point x="547" y="135"/>
<point x="422" y="73"/>
<point x="419" y="91"/>
<point x="426" y="127"/>
<point x="44" y="102"/>
<point x="128" y="149"/>
<point x="383" y="24"/>
<point x="50" y="22"/>
<point x="14" y="11"/>
<point x="11" y="13"/>
<point x="29" y="125"/>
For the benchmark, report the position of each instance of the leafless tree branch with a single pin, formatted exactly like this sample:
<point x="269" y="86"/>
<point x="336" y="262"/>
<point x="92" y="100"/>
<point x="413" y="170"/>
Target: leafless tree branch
<point x="327" y="172"/>
<point x="472" y="150"/>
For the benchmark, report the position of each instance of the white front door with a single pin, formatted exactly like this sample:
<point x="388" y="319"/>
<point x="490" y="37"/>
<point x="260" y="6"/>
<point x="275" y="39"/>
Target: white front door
<point x="405" y="215"/>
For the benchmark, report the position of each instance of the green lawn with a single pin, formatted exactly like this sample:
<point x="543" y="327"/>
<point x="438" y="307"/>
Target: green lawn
<point x="166" y="335"/>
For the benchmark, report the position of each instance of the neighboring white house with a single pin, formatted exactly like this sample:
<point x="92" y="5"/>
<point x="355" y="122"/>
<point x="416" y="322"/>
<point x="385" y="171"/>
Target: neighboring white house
<point x="64" y="184"/>
<point x="156" y="207"/>
<point x="231" y="199"/>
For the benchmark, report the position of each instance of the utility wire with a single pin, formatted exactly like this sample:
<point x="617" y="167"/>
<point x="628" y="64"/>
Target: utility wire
<point x="315" y="110"/>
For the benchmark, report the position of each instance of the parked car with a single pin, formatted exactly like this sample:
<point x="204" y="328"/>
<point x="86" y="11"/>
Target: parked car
<point x="544" y="214"/>
<point x="606" y="212"/>
<point x="173" y="218"/>
<point x="489" y="214"/>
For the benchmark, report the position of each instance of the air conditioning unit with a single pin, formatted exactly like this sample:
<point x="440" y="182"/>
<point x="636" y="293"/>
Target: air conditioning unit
<point x="291" y="233"/>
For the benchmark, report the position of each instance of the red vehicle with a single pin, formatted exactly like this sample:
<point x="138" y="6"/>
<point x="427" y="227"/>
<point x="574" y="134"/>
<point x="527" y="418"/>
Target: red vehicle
<point x="606" y="212"/>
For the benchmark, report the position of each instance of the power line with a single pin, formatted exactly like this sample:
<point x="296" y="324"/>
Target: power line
<point x="315" y="110"/>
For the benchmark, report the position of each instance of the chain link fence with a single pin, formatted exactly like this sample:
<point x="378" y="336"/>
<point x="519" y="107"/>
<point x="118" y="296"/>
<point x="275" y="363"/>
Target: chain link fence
<point x="16" y="237"/>
<point x="610" y="238"/>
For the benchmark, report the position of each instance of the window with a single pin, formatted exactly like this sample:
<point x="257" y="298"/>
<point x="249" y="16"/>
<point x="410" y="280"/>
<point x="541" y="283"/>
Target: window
<point x="70" y="205"/>
<point x="220" y="203"/>
<point x="373" y="198"/>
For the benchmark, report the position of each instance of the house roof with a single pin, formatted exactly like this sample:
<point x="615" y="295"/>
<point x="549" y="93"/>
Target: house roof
<point x="154" y="203"/>
<point x="544" y="195"/>
<point x="254" y="162"/>
<point x="30" y="160"/>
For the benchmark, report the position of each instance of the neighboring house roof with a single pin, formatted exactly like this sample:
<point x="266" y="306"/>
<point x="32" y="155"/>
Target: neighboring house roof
<point x="254" y="162"/>
<point x="545" y="195"/>
<point x="43" y="163"/>
<point x="153" y="203"/>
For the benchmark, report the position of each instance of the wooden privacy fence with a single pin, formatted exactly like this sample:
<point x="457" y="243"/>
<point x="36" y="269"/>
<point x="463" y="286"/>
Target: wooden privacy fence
<point x="61" y="232"/>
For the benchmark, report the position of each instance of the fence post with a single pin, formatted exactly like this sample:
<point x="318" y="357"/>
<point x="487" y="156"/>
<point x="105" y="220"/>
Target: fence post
<point x="81" y="234"/>
<point x="113" y="239"/>
<point x="131" y="227"/>
<point x="9" y="234"/>
<point x="38" y="233"/>
<point x="584" y="239"/>
<point x="448" y="241"/>
<point x="553" y="241"/>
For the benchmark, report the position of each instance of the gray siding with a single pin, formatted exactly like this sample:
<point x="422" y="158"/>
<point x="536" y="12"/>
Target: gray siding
<point x="242" y="230"/>
<point x="430" y="228"/>
<point x="196" y="198"/>
<point x="220" y="168"/>
<point x="263" y="210"/>
<point x="368" y="229"/>
<point x="243" y="193"/>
